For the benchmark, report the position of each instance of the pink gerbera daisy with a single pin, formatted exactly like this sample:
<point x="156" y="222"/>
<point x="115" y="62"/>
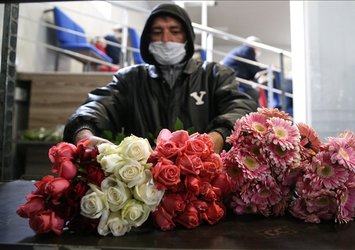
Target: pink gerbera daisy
<point x="342" y="151"/>
<point x="274" y="113"/>
<point x="346" y="205"/>
<point x="251" y="166"/>
<point x="266" y="192"/>
<point x="282" y="157"/>
<point x="310" y="141"/>
<point x="283" y="133"/>
<point x="327" y="174"/>
<point x="256" y="125"/>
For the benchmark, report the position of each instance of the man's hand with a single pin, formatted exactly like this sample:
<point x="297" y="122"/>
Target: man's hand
<point x="218" y="141"/>
<point x="93" y="140"/>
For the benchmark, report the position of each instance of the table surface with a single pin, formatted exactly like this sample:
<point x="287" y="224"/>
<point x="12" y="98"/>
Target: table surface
<point x="235" y="232"/>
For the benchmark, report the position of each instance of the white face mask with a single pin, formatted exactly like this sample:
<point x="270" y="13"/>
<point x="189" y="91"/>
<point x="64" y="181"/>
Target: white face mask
<point x="168" y="53"/>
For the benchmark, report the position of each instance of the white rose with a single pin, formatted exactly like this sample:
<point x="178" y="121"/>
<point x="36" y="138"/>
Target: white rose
<point x="148" y="193"/>
<point x="112" y="222"/>
<point x="131" y="172"/>
<point x="136" y="148"/>
<point x="117" y="192"/>
<point x="106" y="149"/>
<point x="117" y="225"/>
<point x="135" y="212"/>
<point x="93" y="203"/>
<point x="110" y="162"/>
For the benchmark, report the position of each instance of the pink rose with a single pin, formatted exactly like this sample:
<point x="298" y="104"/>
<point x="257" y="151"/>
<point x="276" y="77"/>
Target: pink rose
<point x="41" y="184"/>
<point x="173" y="203"/>
<point x="192" y="184"/>
<point x="189" y="218"/>
<point x="62" y="151"/>
<point x="65" y="169"/>
<point x="84" y="152"/>
<point x="178" y="137"/>
<point x="189" y="164"/>
<point x="166" y="175"/>
<point x="167" y="149"/>
<point x="45" y="222"/>
<point x="163" y="219"/>
<point x="213" y="213"/>
<point x="32" y="207"/>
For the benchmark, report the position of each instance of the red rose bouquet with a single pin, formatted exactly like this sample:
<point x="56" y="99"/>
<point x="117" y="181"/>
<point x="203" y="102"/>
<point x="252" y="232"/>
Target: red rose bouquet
<point x="325" y="189"/>
<point x="55" y="204"/>
<point x="192" y="177"/>
<point x="262" y="162"/>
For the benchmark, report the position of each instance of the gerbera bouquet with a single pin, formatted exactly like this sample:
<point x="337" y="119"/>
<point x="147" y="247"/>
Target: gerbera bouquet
<point x="262" y="162"/>
<point x="109" y="189"/>
<point x="186" y="168"/>
<point x="325" y="189"/>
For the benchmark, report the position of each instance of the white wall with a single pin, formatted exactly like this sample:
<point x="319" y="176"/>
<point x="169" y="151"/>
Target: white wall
<point x="323" y="46"/>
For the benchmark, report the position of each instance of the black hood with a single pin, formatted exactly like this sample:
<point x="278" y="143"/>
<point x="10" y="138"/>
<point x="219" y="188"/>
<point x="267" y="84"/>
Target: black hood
<point x="173" y="11"/>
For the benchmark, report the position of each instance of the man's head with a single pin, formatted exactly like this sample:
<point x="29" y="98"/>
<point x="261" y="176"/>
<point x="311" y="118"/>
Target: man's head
<point x="167" y="23"/>
<point x="256" y="49"/>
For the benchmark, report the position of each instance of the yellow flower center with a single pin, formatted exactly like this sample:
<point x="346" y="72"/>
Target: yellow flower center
<point x="259" y="127"/>
<point x="343" y="154"/>
<point x="250" y="163"/>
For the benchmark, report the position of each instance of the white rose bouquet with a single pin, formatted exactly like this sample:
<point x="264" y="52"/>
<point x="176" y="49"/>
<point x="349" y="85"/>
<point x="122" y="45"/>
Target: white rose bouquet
<point x="128" y="194"/>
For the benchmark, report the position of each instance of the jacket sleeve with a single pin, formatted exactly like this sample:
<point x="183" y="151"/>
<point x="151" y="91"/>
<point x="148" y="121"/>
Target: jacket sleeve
<point x="230" y="104"/>
<point x="102" y="111"/>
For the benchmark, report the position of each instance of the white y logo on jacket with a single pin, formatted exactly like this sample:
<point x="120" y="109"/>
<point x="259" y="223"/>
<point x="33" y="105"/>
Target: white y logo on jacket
<point x="198" y="97"/>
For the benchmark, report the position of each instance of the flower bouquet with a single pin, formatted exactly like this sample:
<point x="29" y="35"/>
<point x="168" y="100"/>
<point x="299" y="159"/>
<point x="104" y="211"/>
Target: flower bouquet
<point x="325" y="189"/>
<point x="55" y="204"/>
<point x="186" y="168"/>
<point x="109" y="189"/>
<point x="262" y="162"/>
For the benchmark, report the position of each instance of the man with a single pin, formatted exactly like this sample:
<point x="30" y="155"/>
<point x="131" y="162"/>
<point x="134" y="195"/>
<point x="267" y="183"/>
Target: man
<point x="143" y="99"/>
<point x="245" y="70"/>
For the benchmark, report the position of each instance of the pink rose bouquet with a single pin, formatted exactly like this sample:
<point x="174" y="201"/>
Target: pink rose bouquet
<point x="262" y="162"/>
<point x="191" y="175"/>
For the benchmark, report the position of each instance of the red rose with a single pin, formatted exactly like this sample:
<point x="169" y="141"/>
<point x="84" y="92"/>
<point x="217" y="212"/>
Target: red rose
<point x="189" y="164"/>
<point x="173" y="203"/>
<point x="207" y="191"/>
<point x="222" y="184"/>
<point x="189" y="218"/>
<point x="192" y="184"/>
<point x="41" y="184"/>
<point x="201" y="206"/>
<point x="167" y="149"/>
<point x="211" y="166"/>
<point x="32" y="207"/>
<point x="84" y="152"/>
<point x="66" y="169"/>
<point x="213" y="213"/>
<point x="207" y="140"/>
<point x="62" y="151"/>
<point x="57" y="187"/>
<point x="45" y="222"/>
<point x="163" y="219"/>
<point x="194" y="146"/>
<point x="95" y="174"/>
<point x="166" y="174"/>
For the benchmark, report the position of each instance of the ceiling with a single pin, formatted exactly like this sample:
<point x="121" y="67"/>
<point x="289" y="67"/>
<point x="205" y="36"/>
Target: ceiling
<point x="268" y="20"/>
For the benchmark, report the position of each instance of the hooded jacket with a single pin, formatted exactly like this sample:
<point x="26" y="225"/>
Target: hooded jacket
<point x="138" y="101"/>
